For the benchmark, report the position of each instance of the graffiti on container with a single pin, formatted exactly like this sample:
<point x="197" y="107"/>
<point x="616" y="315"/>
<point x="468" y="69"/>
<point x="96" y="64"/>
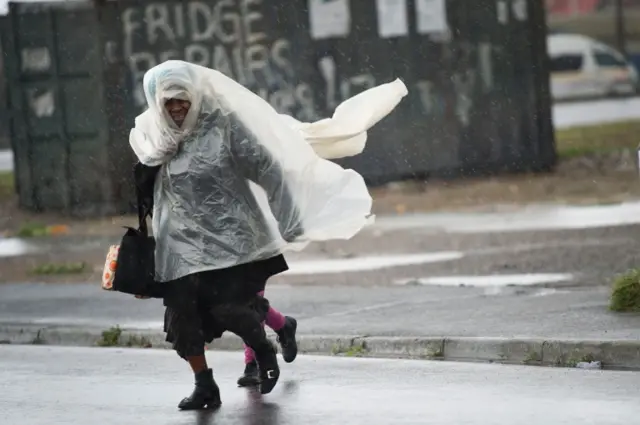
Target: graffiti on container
<point x="227" y="35"/>
<point x="338" y="90"/>
<point x="474" y="73"/>
<point x="231" y="36"/>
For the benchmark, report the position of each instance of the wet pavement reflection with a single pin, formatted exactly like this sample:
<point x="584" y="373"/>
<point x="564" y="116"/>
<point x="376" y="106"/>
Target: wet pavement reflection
<point x="58" y="385"/>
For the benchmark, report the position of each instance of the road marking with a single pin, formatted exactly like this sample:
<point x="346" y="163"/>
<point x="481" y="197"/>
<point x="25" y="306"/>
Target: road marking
<point x="495" y="280"/>
<point x="359" y="264"/>
<point x="536" y="217"/>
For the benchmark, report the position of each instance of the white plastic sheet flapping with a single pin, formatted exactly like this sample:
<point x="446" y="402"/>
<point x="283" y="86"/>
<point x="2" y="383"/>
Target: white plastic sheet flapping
<point x="241" y="182"/>
<point x="345" y="134"/>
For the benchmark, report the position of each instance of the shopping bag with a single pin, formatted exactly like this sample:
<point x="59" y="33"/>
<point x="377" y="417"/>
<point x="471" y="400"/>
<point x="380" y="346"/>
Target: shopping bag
<point x="134" y="268"/>
<point x="110" y="268"/>
<point x="130" y="266"/>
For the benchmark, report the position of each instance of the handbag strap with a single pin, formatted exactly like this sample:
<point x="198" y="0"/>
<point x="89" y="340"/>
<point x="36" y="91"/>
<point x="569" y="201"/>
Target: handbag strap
<point x="143" y="213"/>
<point x="144" y="178"/>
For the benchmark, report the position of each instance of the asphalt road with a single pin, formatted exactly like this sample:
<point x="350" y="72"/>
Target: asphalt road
<point x="542" y="272"/>
<point x="414" y="248"/>
<point x="68" y="386"/>
<point x="592" y="112"/>
<point x="353" y="310"/>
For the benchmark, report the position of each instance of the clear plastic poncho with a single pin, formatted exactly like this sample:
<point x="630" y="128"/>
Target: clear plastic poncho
<point x="240" y="182"/>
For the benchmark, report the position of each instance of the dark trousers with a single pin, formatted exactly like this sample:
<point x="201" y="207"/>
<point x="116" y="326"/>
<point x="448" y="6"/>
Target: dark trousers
<point x="202" y="306"/>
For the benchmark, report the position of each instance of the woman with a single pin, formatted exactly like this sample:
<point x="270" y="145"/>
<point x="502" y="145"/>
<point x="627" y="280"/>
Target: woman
<point x="237" y="185"/>
<point x="207" y="224"/>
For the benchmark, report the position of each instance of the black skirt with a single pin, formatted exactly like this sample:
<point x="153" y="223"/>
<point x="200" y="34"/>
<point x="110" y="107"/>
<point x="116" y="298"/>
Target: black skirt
<point x="189" y="301"/>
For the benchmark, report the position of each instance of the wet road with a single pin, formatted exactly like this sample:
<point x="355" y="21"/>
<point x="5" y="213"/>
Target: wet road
<point x="353" y="310"/>
<point x="590" y="243"/>
<point x="423" y="275"/>
<point x="457" y="275"/>
<point x="592" y="112"/>
<point x="51" y="386"/>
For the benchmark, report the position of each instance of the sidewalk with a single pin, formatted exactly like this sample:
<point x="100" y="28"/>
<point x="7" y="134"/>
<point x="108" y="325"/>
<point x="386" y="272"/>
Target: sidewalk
<point x="526" y="325"/>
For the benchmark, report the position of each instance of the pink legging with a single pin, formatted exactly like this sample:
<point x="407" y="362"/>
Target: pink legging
<point x="275" y="320"/>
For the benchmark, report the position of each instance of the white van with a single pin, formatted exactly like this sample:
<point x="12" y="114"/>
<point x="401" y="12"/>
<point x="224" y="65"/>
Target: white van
<point x="583" y="67"/>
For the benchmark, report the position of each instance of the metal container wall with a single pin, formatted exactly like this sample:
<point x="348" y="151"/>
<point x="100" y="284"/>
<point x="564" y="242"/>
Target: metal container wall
<point x="478" y="94"/>
<point x="53" y="57"/>
<point x="4" y="105"/>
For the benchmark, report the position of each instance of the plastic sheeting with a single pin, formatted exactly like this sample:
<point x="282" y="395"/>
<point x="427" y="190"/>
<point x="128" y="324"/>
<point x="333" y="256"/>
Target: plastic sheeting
<point x="345" y="133"/>
<point x="341" y="136"/>
<point x="240" y="182"/>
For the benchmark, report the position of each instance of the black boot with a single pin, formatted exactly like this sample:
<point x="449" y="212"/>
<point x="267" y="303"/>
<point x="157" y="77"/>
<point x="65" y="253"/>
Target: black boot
<point x="287" y="339"/>
<point x="206" y="393"/>
<point x="268" y="369"/>
<point x="250" y="378"/>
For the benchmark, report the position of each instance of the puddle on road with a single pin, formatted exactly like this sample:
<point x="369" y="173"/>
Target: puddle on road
<point x="537" y="217"/>
<point x="15" y="247"/>
<point x="566" y="115"/>
<point x="488" y="281"/>
<point x="368" y="263"/>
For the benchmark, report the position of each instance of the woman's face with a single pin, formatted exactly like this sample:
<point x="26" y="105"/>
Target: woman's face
<point x="177" y="109"/>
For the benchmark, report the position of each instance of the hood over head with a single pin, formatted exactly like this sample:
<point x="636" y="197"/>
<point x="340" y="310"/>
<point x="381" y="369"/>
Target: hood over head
<point x="172" y="80"/>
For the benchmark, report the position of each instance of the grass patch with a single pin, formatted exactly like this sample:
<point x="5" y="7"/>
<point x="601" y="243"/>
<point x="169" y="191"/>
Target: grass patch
<point x="138" y="342"/>
<point x="625" y="295"/>
<point x="599" y="138"/>
<point x="434" y="354"/>
<point x="357" y="350"/>
<point x="7" y="188"/>
<point x="533" y="357"/>
<point x="31" y="230"/>
<point x="564" y="361"/>
<point x="110" y="337"/>
<point x="59" y="268"/>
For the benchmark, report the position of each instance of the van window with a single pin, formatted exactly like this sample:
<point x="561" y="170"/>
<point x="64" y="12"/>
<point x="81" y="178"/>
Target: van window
<point x="608" y="60"/>
<point x="566" y="63"/>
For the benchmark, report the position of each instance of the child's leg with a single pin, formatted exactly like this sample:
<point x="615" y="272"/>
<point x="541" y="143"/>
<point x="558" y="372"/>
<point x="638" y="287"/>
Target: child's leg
<point x="285" y="327"/>
<point x="275" y="320"/>
<point x="249" y="355"/>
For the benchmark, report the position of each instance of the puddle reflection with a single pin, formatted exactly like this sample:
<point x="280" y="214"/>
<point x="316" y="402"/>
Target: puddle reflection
<point x="14" y="247"/>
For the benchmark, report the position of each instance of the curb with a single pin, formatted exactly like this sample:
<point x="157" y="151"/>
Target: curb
<point x="613" y="354"/>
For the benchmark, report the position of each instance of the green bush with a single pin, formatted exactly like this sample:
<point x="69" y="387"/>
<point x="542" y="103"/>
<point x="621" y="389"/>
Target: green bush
<point x="32" y="230"/>
<point x="625" y="296"/>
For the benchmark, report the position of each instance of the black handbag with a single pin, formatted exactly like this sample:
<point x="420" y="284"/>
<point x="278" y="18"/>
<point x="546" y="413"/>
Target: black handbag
<point x="135" y="265"/>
